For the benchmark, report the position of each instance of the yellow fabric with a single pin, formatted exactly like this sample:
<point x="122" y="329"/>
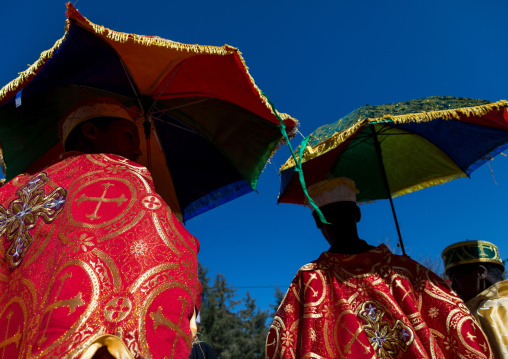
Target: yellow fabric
<point x="490" y="309"/>
<point x="115" y="346"/>
<point x="193" y="324"/>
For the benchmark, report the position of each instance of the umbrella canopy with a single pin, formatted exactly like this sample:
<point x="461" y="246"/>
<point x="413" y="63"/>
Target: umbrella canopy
<point x="393" y="149"/>
<point x="423" y="142"/>
<point x="212" y="130"/>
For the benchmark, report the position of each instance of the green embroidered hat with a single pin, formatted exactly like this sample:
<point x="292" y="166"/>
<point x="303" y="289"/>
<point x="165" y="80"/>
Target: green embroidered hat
<point x="470" y="252"/>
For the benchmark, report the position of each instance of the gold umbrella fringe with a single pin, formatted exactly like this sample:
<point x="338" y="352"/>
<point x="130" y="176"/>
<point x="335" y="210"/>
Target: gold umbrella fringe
<point x="291" y="133"/>
<point x="340" y="137"/>
<point x="404" y="191"/>
<point x="327" y="145"/>
<point x="426" y="184"/>
<point x="285" y="117"/>
<point x="148" y="41"/>
<point x="199" y="49"/>
<point x="123" y="37"/>
<point x="25" y="76"/>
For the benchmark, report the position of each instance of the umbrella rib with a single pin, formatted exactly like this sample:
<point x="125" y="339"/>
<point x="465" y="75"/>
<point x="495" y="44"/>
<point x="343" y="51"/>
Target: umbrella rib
<point x="187" y="128"/>
<point x="131" y="81"/>
<point x="157" y="139"/>
<point x="167" y="83"/>
<point x="152" y="106"/>
<point x="363" y="137"/>
<point x="186" y="104"/>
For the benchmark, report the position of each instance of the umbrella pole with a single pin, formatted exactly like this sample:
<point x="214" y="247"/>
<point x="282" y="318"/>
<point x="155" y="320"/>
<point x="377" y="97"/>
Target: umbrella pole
<point x="148" y="128"/>
<point x="377" y="146"/>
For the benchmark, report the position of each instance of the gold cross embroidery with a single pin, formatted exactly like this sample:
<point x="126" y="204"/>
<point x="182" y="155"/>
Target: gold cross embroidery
<point x="398" y="283"/>
<point x="23" y="213"/>
<point x="159" y="319"/>
<point x="14" y="339"/>
<point x="353" y="339"/>
<point x="100" y="200"/>
<point x="386" y="340"/>
<point x="307" y="285"/>
<point x="482" y="247"/>
<point x="73" y="303"/>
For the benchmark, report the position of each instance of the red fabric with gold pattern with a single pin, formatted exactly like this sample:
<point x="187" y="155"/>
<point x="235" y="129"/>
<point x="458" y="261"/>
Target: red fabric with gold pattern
<point x="90" y="249"/>
<point x="372" y="305"/>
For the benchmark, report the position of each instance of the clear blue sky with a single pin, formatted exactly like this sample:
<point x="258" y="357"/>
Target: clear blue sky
<point x="318" y="61"/>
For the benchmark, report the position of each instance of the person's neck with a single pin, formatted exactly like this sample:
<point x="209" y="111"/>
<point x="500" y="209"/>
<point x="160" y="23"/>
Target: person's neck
<point x="341" y="233"/>
<point x="349" y="243"/>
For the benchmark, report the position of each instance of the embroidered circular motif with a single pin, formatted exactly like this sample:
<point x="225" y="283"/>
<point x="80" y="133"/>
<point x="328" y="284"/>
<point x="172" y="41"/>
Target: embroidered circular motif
<point x="314" y="289"/>
<point x="151" y="202"/>
<point x="274" y="337"/>
<point x="117" y="309"/>
<point x="101" y="202"/>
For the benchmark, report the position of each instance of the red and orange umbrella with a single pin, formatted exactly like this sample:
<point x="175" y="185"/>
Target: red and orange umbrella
<point x="212" y="130"/>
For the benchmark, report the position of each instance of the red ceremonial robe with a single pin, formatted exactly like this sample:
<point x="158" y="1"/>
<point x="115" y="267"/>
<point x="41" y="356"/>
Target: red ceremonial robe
<point x="94" y="257"/>
<point x="372" y="305"/>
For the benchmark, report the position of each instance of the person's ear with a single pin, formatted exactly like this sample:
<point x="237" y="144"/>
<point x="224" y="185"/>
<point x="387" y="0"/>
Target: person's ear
<point x="89" y="130"/>
<point x="358" y="214"/>
<point x="482" y="271"/>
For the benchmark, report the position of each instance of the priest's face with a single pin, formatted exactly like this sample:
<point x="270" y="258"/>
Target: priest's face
<point x="121" y="138"/>
<point x="466" y="281"/>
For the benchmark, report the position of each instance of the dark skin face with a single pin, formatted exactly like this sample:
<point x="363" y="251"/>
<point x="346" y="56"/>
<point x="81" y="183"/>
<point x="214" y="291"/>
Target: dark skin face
<point x="343" y="217"/>
<point x="120" y="137"/>
<point x="466" y="282"/>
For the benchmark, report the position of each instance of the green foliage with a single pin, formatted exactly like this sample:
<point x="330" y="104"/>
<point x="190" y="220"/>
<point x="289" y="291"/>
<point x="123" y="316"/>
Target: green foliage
<point x="234" y="328"/>
<point x="279" y="297"/>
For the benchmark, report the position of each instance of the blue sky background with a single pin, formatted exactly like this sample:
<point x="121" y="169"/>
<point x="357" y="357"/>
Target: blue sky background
<point x="318" y="61"/>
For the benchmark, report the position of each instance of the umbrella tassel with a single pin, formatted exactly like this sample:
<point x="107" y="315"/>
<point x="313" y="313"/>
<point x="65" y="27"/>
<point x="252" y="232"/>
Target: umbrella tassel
<point x="385" y="180"/>
<point x="298" y="161"/>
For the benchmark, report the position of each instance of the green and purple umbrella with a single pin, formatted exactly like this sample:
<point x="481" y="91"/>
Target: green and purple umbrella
<point x="390" y="150"/>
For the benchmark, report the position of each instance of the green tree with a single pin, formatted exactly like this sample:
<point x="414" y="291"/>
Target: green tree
<point x="234" y="328"/>
<point x="279" y="297"/>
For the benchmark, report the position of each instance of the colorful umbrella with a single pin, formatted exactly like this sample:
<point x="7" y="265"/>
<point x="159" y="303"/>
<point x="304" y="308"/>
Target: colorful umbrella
<point x="212" y="130"/>
<point x="390" y="150"/>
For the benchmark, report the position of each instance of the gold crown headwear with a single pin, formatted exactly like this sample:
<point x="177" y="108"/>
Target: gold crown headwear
<point x="470" y="252"/>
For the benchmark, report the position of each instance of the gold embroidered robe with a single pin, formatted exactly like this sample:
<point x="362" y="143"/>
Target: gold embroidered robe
<point x="490" y="308"/>
<point x="372" y="305"/>
<point x="92" y="257"/>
